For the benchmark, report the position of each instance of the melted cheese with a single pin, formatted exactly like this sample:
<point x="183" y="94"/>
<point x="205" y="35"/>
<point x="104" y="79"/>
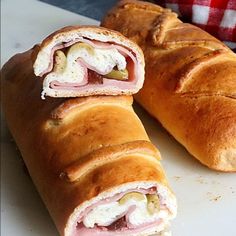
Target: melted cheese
<point x="67" y="69"/>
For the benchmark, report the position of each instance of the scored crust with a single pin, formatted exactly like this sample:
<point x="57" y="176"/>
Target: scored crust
<point x="54" y="134"/>
<point x="190" y="84"/>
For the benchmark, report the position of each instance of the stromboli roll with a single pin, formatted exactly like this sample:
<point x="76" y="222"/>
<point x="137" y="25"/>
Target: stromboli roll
<point x="90" y="157"/>
<point x="190" y="80"/>
<point x="78" y="61"/>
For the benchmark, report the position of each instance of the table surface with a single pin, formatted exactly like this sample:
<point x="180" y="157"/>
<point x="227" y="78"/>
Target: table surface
<point x="206" y="199"/>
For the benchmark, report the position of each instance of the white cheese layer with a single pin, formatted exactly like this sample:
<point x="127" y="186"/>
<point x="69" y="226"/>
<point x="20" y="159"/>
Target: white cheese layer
<point x="106" y="214"/>
<point x="67" y="69"/>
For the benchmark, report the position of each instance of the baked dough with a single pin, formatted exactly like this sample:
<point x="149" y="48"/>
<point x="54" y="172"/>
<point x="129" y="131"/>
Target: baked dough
<point x="190" y="80"/>
<point x="84" y="152"/>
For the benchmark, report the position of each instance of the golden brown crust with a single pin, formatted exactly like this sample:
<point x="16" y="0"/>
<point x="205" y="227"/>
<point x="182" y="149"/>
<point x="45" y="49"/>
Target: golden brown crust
<point x="190" y="84"/>
<point x="55" y="135"/>
<point x="79" y="103"/>
<point x="77" y="28"/>
<point x="109" y="154"/>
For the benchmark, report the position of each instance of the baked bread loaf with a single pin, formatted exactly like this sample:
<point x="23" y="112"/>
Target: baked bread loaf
<point x="190" y="80"/>
<point x="90" y="158"/>
<point x="78" y="61"/>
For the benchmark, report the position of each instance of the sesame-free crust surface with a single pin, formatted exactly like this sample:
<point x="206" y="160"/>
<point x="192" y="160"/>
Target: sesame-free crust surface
<point x="75" y="149"/>
<point x="190" y="80"/>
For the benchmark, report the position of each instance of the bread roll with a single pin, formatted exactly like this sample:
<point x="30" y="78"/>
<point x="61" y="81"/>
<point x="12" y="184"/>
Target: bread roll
<point x="78" y="61"/>
<point x="90" y="158"/>
<point x="190" y="80"/>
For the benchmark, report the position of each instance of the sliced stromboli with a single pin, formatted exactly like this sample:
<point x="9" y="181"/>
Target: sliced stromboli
<point x="81" y="61"/>
<point x="132" y="208"/>
<point x="90" y="158"/>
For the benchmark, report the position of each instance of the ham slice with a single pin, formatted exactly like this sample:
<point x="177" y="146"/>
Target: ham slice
<point x="83" y="231"/>
<point x="122" y="225"/>
<point x="87" y="84"/>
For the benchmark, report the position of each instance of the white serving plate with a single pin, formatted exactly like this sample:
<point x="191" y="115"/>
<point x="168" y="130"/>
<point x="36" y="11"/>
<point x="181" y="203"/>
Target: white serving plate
<point x="206" y="199"/>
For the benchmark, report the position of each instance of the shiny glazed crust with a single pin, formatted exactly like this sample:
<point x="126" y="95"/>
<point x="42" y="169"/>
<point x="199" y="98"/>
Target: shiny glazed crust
<point x="190" y="80"/>
<point x="75" y="149"/>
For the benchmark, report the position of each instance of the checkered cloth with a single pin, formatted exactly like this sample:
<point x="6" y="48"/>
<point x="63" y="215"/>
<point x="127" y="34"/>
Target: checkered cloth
<point x="218" y="17"/>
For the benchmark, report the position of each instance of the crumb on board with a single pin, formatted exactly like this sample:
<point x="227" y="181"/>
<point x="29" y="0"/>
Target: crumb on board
<point x="216" y="198"/>
<point x="201" y="180"/>
<point x="213" y="197"/>
<point x="177" y="178"/>
<point x="232" y="190"/>
<point x="215" y="182"/>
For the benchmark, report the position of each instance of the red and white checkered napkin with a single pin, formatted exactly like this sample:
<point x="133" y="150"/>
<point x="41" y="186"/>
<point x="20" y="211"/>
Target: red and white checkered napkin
<point x="218" y="17"/>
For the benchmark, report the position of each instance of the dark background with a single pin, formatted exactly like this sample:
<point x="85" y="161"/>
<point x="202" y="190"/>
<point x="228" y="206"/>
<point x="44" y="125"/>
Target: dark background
<point x="95" y="9"/>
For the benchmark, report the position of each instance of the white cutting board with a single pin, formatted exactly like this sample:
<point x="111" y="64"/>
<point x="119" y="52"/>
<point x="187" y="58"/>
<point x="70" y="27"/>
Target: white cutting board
<point x="206" y="199"/>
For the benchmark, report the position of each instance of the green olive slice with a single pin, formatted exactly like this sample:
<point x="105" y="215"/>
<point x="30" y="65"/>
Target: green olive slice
<point x="118" y="74"/>
<point x="60" y="61"/>
<point x="78" y="46"/>
<point x="134" y="195"/>
<point x="153" y="203"/>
